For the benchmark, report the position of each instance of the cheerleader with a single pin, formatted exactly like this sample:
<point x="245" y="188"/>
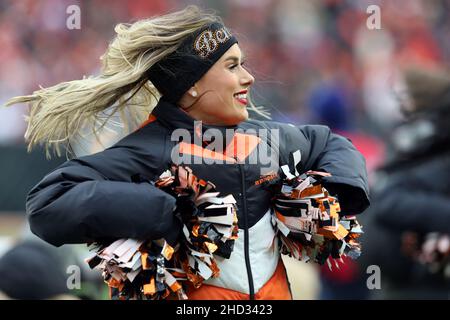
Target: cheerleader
<point x="172" y="73"/>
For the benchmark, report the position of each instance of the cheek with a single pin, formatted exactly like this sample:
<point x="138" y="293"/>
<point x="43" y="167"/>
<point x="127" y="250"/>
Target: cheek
<point x="227" y="85"/>
<point x="221" y="97"/>
<point x="222" y="86"/>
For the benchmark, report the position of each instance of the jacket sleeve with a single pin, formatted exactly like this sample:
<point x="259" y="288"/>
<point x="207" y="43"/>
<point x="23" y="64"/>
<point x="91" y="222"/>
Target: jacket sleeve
<point x="96" y="197"/>
<point x="414" y="197"/>
<point x="323" y="150"/>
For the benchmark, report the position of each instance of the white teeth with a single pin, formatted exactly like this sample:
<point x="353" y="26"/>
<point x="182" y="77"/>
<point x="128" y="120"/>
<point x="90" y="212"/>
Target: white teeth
<point x="241" y="96"/>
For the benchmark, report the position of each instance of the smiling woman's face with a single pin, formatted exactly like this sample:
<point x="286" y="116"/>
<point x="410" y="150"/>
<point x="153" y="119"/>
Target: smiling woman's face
<point x="221" y="92"/>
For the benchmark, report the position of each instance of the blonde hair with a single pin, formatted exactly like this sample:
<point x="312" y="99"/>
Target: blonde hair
<point x="57" y="113"/>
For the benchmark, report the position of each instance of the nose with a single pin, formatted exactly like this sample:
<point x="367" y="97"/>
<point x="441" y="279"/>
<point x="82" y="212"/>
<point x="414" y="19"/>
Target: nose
<point x="247" y="79"/>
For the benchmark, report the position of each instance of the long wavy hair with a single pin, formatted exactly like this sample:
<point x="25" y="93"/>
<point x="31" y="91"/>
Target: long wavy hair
<point x="58" y="113"/>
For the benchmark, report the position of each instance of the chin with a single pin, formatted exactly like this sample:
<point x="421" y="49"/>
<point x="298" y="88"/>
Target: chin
<point x="242" y="116"/>
<point x="245" y="115"/>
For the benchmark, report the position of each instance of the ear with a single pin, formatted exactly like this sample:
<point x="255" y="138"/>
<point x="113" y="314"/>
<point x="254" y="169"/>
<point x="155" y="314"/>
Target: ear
<point x="188" y="97"/>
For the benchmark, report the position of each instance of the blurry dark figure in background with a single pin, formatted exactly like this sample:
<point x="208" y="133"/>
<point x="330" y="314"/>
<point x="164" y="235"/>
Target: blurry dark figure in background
<point x="35" y="270"/>
<point x="408" y="237"/>
<point x="32" y="271"/>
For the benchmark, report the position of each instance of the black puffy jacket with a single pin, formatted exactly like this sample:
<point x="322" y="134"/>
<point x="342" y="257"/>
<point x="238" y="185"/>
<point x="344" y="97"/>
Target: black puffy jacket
<point x="108" y="195"/>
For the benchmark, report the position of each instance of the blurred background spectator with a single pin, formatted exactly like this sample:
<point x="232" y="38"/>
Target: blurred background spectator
<point x="30" y="271"/>
<point x="314" y="62"/>
<point x="410" y="214"/>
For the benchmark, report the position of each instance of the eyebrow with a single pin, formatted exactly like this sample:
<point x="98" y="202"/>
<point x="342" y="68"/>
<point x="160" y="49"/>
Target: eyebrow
<point x="234" y="59"/>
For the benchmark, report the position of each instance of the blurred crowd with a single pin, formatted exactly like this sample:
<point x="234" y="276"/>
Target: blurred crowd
<point x="306" y="55"/>
<point x="314" y="62"/>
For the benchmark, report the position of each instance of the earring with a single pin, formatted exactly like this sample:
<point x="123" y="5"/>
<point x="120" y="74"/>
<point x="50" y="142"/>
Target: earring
<point x="194" y="93"/>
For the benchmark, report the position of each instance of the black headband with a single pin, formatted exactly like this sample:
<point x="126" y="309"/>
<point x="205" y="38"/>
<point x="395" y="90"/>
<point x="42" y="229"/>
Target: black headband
<point x="178" y="72"/>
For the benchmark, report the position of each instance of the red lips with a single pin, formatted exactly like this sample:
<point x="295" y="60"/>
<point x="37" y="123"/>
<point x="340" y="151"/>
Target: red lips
<point x="242" y="100"/>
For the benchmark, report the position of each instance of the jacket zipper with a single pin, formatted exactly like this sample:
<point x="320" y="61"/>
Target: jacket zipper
<point x="246" y="233"/>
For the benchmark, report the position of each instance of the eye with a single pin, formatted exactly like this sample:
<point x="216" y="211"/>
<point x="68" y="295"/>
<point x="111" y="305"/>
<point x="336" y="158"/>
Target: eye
<point x="234" y="66"/>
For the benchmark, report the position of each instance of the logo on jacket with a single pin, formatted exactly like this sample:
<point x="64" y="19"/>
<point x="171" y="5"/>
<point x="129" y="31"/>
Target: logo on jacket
<point x="266" y="178"/>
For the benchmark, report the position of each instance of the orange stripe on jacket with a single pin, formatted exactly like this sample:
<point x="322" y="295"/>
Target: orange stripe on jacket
<point x="277" y="288"/>
<point x="240" y="148"/>
<point x="150" y="119"/>
<point x="242" y="145"/>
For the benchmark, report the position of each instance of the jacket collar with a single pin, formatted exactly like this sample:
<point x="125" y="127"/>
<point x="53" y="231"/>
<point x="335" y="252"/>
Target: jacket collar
<point x="173" y="117"/>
